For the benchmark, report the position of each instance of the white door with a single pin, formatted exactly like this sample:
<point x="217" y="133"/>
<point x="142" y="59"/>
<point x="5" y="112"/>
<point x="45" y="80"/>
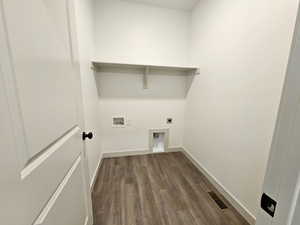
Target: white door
<point x="282" y="181"/>
<point x="42" y="163"/>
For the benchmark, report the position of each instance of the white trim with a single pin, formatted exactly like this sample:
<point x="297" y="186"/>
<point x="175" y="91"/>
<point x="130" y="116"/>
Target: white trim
<point x="137" y="152"/>
<point x="86" y="220"/>
<point x="218" y="185"/>
<point x="48" y="152"/>
<point x="294" y="203"/>
<point x="94" y="178"/>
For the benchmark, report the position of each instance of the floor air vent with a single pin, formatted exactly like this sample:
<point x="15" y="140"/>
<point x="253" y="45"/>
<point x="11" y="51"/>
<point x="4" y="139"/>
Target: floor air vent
<point x="219" y="202"/>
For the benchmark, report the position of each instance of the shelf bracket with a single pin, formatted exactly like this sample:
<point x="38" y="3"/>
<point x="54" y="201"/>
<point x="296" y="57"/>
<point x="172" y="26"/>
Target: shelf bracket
<point x="94" y="68"/>
<point x="145" y="77"/>
<point x="195" y="72"/>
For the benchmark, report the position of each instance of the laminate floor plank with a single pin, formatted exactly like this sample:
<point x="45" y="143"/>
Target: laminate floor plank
<point x="157" y="189"/>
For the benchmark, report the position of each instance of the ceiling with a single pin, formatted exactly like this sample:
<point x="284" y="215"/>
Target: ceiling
<point x="175" y="4"/>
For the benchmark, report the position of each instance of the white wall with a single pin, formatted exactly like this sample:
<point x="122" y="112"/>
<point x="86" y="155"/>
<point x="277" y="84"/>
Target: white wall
<point x="242" y="48"/>
<point x="86" y="46"/>
<point x="138" y="33"/>
<point x="122" y="94"/>
<point x="230" y="109"/>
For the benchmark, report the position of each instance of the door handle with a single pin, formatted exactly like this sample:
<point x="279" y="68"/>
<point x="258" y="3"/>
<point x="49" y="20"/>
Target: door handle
<point x="87" y="135"/>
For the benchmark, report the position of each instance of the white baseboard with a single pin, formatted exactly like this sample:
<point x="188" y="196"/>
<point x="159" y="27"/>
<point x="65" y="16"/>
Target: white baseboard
<point x="227" y="194"/>
<point x="93" y="180"/>
<point x="137" y="152"/>
<point x="87" y="221"/>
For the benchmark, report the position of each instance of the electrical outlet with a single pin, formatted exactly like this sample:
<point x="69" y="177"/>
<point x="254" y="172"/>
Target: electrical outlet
<point x="169" y="120"/>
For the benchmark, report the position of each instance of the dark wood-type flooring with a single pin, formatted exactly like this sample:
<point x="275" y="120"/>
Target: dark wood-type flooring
<point x="157" y="189"/>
